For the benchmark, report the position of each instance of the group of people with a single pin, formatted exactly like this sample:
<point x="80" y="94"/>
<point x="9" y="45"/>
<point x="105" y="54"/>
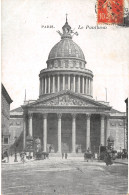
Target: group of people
<point x="5" y="156"/>
<point x="64" y="155"/>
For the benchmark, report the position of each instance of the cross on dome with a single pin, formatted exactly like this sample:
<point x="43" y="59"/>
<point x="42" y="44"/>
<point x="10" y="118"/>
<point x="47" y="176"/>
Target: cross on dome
<point x="66" y="17"/>
<point x="66" y="30"/>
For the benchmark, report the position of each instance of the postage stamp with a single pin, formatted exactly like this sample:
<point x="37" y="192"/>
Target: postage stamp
<point x="110" y="11"/>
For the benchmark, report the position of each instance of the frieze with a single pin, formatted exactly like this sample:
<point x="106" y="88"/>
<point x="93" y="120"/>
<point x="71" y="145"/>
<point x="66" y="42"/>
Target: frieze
<point x="120" y="123"/>
<point x="65" y="100"/>
<point x="116" y="124"/>
<point x="112" y="123"/>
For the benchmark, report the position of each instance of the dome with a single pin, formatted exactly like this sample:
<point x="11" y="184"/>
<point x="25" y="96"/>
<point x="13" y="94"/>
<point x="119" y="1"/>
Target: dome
<point x="66" y="48"/>
<point x="66" y="67"/>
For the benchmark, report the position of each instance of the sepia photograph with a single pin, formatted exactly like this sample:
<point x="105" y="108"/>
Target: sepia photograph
<point x="64" y="97"/>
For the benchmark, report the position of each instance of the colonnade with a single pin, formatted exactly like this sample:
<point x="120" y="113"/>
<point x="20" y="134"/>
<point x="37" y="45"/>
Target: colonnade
<point x="59" y="117"/>
<point x="76" y="83"/>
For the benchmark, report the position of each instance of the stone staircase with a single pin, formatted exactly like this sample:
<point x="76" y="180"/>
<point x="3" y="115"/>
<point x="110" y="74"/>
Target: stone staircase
<point x="69" y="155"/>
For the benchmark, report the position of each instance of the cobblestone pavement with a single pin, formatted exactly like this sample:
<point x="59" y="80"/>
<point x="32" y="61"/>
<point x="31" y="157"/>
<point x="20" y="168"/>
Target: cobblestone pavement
<point x="57" y="176"/>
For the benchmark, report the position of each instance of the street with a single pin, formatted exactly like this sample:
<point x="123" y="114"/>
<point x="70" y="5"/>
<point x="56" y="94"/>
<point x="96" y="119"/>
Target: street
<point x="71" y="176"/>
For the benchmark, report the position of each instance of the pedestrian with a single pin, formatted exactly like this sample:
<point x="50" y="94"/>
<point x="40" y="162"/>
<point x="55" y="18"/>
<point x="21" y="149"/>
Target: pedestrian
<point x="62" y="155"/>
<point x="6" y="155"/>
<point x="22" y="155"/>
<point x="66" y="155"/>
<point x="84" y="156"/>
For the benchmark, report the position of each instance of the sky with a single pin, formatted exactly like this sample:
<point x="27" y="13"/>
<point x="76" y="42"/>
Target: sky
<point x="26" y="46"/>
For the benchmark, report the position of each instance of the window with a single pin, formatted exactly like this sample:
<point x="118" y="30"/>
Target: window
<point x="5" y="140"/>
<point x="66" y="63"/>
<point x="69" y="51"/>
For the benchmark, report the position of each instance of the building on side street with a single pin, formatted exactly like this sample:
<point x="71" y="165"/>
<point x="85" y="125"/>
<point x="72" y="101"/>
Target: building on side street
<point x="5" y="115"/>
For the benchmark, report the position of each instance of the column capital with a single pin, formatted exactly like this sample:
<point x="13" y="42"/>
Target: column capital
<point x="45" y="116"/>
<point x="30" y="115"/>
<point x="102" y="116"/>
<point x="74" y="115"/>
<point x="59" y="115"/>
<point x="107" y="116"/>
<point x="25" y="115"/>
<point x="88" y="116"/>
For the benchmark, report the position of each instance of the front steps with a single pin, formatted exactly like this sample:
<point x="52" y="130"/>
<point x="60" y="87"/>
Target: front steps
<point x="69" y="154"/>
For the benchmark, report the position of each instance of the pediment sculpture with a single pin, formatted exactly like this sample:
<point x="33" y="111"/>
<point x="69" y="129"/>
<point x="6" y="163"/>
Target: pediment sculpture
<point x="65" y="100"/>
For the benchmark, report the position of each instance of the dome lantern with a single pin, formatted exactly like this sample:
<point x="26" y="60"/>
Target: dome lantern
<point x="66" y="30"/>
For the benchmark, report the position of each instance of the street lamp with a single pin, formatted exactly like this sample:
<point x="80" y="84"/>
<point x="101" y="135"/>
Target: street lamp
<point x="15" y="160"/>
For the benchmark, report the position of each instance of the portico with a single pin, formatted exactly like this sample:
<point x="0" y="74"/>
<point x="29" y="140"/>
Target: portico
<point x="65" y="125"/>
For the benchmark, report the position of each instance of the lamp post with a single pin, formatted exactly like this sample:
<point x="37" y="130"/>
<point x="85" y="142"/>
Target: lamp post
<point x="120" y="152"/>
<point x="15" y="159"/>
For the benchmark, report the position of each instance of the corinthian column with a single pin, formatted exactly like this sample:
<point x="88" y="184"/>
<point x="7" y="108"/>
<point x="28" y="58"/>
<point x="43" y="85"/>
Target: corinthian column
<point x="73" y="132"/>
<point x="69" y="82"/>
<point x="53" y="84"/>
<point x="24" y="131"/>
<point x="83" y="85"/>
<point x="74" y="83"/>
<point x="59" y="132"/>
<point x="49" y="84"/>
<point x="102" y="130"/>
<point x="42" y="80"/>
<point x="30" y="124"/>
<point x="88" y="131"/>
<point x="86" y="86"/>
<point x="63" y="82"/>
<point x="78" y="84"/>
<point x="107" y="128"/>
<point x="45" y="85"/>
<point x="45" y="132"/>
<point x="58" y="83"/>
<point x="91" y="87"/>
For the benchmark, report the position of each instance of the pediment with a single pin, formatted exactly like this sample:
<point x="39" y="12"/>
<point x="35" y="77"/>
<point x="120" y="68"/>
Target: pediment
<point x="65" y="100"/>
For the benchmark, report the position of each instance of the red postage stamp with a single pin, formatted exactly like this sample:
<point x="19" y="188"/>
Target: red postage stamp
<point x="110" y="11"/>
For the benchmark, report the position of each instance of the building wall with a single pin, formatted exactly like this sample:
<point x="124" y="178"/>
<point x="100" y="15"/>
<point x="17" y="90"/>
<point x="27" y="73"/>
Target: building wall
<point x="117" y="130"/>
<point x="5" y="107"/>
<point x="15" y="128"/>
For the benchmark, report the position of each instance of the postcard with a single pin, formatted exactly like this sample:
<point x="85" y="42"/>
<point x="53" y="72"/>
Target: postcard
<point x="65" y="86"/>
